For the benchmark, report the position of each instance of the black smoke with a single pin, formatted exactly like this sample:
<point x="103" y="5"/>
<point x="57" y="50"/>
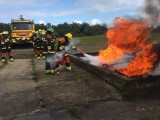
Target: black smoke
<point x="156" y="50"/>
<point x="152" y="8"/>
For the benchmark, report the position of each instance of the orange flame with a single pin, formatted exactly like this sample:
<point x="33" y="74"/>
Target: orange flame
<point x="127" y="36"/>
<point x="142" y="64"/>
<point x="111" y="54"/>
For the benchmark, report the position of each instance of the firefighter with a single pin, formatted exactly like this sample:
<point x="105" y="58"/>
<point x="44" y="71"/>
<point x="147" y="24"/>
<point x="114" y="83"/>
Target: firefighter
<point x="50" y="52"/>
<point x="6" y="47"/>
<point x="34" y="38"/>
<point x="0" y="42"/>
<point x="0" y="37"/>
<point x="44" y="43"/>
<point x="39" y="45"/>
<point x="64" y="45"/>
<point x="39" y="30"/>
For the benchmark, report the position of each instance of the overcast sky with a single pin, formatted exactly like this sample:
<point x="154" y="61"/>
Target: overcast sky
<point x="60" y="11"/>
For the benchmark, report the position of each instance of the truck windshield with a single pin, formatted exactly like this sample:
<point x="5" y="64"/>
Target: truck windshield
<point x="21" y="26"/>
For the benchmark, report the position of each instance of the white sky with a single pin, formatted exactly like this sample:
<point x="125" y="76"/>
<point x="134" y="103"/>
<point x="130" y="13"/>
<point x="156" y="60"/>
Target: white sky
<point x="60" y="11"/>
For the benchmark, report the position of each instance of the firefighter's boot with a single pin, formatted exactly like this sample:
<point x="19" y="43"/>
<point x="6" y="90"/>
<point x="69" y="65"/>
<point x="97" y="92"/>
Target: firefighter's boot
<point x="3" y="60"/>
<point x="38" y="57"/>
<point x="54" y="72"/>
<point x="11" y="60"/>
<point x="69" y="68"/>
<point x="43" y="57"/>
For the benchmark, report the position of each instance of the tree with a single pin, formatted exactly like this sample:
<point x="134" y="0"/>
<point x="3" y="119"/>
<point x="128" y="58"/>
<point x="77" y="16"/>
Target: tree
<point x="78" y="30"/>
<point x="5" y="27"/>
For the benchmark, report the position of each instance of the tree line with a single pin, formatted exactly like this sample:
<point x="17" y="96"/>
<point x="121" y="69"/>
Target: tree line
<point x="78" y="30"/>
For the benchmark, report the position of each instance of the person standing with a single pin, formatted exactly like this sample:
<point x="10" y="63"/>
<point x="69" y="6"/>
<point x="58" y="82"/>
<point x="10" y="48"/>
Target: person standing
<point x="44" y="51"/>
<point x="6" y="47"/>
<point x="34" y="37"/>
<point x="0" y="42"/>
<point x="39" y="45"/>
<point x="50" y="52"/>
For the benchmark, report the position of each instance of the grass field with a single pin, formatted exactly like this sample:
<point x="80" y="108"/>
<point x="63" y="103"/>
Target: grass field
<point x="155" y="37"/>
<point x="91" y="43"/>
<point x="97" y="43"/>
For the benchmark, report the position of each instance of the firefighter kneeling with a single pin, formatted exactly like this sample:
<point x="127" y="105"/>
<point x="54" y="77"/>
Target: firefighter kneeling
<point x="6" y="47"/>
<point x="64" y="45"/>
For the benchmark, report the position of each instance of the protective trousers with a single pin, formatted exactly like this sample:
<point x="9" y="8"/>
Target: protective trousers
<point x="67" y="59"/>
<point x="39" y="52"/>
<point x="49" y="62"/>
<point x="5" y="51"/>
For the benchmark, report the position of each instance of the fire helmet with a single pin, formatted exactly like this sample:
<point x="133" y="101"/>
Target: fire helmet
<point x="5" y="32"/>
<point x="43" y="32"/>
<point x="69" y="35"/>
<point x="50" y="30"/>
<point x="36" y="32"/>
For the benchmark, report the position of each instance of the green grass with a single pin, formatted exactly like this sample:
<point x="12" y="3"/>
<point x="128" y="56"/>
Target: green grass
<point x="91" y="43"/>
<point x="92" y="40"/>
<point x="155" y="37"/>
<point x="97" y="43"/>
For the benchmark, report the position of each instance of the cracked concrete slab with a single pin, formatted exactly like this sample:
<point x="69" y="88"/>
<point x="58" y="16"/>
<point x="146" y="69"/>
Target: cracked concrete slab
<point x="17" y="89"/>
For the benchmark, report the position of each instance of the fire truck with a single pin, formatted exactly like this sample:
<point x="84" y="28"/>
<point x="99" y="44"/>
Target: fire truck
<point x="22" y="30"/>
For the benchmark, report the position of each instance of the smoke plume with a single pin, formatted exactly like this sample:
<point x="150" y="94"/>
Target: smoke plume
<point x="152" y="8"/>
<point x="94" y="60"/>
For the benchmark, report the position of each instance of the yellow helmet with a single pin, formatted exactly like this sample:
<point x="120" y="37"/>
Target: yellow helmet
<point x="36" y="32"/>
<point x="69" y="35"/>
<point x="43" y="32"/>
<point x="5" y="32"/>
<point x="40" y="30"/>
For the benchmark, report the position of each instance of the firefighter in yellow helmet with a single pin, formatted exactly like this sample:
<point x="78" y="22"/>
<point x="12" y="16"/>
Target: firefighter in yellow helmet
<point x="39" y="45"/>
<point x="34" y="39"/>
<point x="39" y="30"/>
<point x="6" y="47"/>
<point x="44" y="43"/>
<point x="69" y="35"/>
<point x="64" y="45"/>
<point x="1" y="38"/>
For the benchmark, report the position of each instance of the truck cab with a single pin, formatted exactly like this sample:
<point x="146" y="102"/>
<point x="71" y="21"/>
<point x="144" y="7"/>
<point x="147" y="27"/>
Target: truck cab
<point x="22" y="30"/>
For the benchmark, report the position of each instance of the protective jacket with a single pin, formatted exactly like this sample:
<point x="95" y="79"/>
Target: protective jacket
<point x="50" y="44"/>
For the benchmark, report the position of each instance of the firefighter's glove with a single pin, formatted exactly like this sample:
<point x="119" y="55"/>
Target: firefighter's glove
<point x="6" y="40"/>
<point x="74" y="48"/>
<point x="49" y="48"/>
<point x="61" y="47"/>
<point x="51" y="52"/>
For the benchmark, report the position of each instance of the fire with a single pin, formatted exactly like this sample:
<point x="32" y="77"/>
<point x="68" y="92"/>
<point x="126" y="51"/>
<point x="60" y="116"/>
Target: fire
<point x="128" y="36"/>
<point x="143" y="62"/>
<point x="111" y="54"/>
